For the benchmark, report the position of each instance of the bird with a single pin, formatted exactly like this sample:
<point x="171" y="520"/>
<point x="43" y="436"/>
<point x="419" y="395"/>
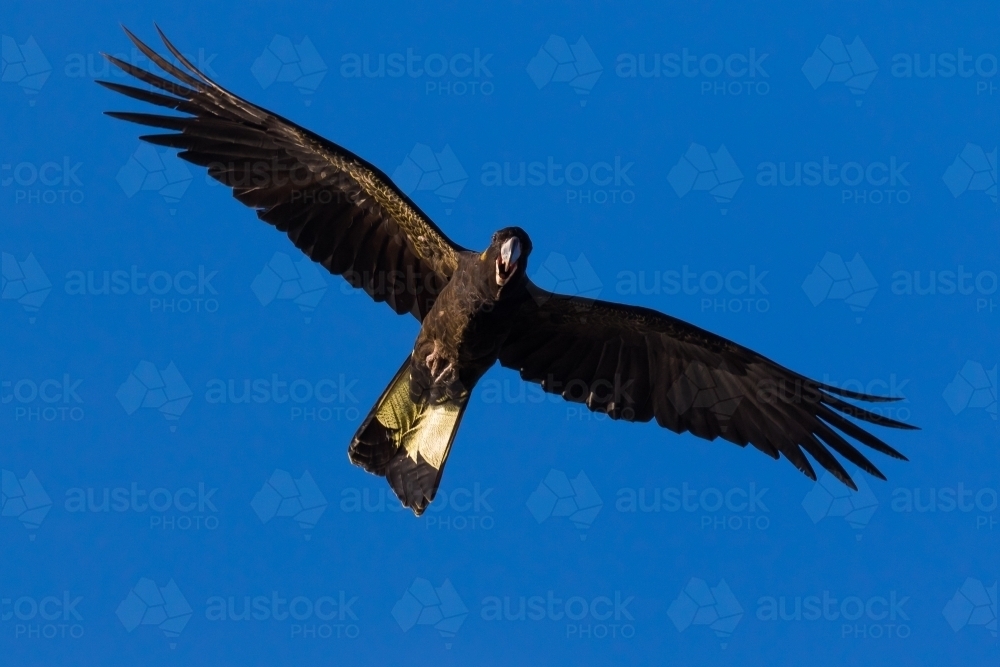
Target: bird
<point x="477" y="309"/>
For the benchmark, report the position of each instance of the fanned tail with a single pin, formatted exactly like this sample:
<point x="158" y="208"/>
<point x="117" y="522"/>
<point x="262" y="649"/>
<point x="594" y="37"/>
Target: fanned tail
<point x="407" y="441"/>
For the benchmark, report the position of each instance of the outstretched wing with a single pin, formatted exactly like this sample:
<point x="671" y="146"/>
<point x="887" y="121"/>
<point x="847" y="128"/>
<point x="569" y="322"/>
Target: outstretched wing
<point x="338" y="209"/>
<point x="636" y="364"/>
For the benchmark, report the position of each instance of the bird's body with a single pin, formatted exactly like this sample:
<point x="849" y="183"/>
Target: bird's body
<point x="476" y="309"/>
<point x="461" y="336"/>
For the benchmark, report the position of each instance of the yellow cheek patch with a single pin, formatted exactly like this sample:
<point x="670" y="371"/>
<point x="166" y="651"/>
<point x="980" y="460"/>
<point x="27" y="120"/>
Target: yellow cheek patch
<point x="482" y="258"/>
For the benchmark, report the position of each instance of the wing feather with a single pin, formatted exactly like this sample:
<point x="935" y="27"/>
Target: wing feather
<point x="688" y="380"/>
<point x="338" y="209"/>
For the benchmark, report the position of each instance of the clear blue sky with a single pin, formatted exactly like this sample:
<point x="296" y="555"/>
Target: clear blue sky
<point x="179" y="387"/>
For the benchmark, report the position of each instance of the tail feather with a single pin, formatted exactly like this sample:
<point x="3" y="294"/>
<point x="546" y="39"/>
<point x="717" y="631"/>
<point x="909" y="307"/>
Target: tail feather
<point x="407" y="441"/>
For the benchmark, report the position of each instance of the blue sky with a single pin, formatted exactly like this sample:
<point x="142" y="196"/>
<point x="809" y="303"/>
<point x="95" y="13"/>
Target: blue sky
<point x="818" y="183"/>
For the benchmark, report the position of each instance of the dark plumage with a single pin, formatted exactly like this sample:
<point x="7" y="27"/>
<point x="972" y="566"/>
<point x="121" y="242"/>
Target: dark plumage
<point x="477" y="308"/>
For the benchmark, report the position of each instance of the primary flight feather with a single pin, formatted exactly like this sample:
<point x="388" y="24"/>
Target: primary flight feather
<point x="477" y="308"/>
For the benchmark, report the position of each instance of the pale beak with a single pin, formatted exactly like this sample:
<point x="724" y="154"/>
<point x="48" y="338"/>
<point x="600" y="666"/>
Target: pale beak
<point x="510" y="252"/>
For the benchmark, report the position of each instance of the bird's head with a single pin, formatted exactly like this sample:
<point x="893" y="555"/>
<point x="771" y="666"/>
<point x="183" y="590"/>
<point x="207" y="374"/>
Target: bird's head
<point x="508" y="254"/>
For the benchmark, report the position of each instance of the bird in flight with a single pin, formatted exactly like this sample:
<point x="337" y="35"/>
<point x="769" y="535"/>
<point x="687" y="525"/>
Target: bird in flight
<point x="478" y="308"/>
